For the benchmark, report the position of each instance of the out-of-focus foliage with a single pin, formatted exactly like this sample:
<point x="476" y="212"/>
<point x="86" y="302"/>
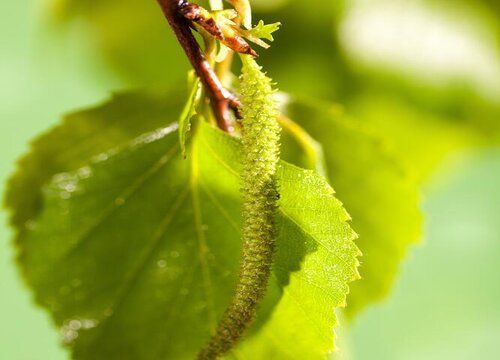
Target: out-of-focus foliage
<point x="454" y="270"/>
<point x="427" y="55"/>
<point x="422" y="139"/>
<point x="132" y="34"/>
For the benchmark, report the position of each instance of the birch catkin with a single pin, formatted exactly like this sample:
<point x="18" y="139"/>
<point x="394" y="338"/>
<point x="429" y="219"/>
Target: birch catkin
<point x="260" y="143"/>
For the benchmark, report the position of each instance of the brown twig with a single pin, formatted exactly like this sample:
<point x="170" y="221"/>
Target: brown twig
<point x="222" y="100"/>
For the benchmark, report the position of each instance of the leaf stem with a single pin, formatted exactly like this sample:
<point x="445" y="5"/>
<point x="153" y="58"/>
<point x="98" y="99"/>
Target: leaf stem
<point x="309" y="145"/>
<point x="221" y="99"/>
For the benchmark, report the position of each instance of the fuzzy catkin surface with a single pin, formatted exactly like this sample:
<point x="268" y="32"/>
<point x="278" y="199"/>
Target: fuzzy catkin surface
<point x="260" y="140"/>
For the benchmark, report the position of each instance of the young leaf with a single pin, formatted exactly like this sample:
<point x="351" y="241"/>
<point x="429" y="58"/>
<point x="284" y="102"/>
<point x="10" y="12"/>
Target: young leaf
<point x="378" y="191"/>
<point x="148" y="242"/>
<point x="264" y="31"/>
<point x="259" y="32"/>
<point x="189" y="111"/>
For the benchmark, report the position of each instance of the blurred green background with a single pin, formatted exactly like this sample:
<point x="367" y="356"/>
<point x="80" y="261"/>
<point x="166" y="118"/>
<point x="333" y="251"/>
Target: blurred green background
<point x="424" y="75"/>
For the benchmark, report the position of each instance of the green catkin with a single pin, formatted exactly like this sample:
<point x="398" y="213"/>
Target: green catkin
<point x="260" y="140"/>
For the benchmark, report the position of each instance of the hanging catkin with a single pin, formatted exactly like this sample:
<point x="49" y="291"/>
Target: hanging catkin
<point x="260" y="144"/>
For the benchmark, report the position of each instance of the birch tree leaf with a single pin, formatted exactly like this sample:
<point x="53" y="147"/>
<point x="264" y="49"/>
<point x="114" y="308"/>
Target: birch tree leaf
<point x="135" y="251"/>
<point x="379" y="192"/>
<point x="83" y="135"/>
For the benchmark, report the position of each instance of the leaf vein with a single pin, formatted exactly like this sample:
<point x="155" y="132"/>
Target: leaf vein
<point x="125" y="195"/>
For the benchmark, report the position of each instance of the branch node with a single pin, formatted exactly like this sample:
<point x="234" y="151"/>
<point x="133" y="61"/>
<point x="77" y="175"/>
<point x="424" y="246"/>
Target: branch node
<point x="221" y="99"/>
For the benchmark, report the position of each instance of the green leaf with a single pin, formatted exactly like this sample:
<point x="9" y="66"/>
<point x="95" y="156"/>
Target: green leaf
<point x="135" y="250"/>
<point x="264" y="31"/>
<point x="81" y="136"/>
<point x="189" y="111"/>
<point x="379" y="192"/>
<point x="259" y="32"/>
